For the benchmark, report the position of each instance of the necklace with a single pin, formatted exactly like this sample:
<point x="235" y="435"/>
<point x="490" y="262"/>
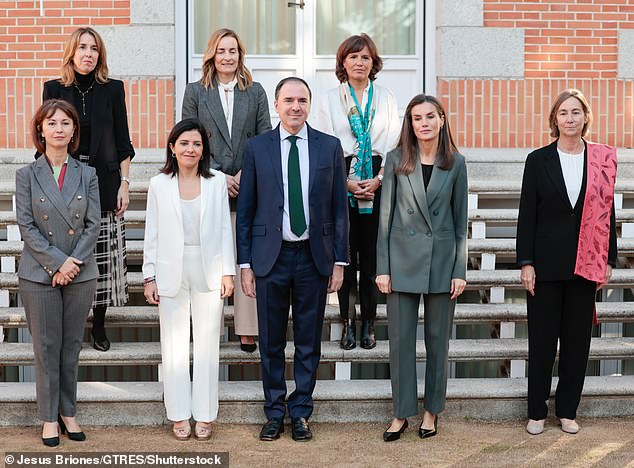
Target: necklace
<point x="83" y="95"/>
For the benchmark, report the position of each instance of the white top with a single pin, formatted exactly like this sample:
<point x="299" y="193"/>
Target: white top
<point x="332" y="118"/>
<point x="304" y="167"/>
<point x="572" y="169"/>
<point x="190" y="210"/>
<point x="226" y="98"/>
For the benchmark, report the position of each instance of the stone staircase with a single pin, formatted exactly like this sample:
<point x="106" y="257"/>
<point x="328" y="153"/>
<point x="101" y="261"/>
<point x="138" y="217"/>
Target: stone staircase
<point x="494" y="299"/>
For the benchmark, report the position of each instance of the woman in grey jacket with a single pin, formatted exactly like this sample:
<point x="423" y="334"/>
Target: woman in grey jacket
<point x="422" y="250"/>
<point x="58" y="212"/>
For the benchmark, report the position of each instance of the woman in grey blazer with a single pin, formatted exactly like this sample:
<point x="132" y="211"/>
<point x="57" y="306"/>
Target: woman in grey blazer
<point x="233" y="108"/>
<point x="422" y="249"/>
<point x="58" y="212"/>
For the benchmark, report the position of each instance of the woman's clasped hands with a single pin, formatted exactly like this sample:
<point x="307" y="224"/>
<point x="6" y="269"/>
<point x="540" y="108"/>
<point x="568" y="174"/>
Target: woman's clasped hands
<point x="67" y="272"/>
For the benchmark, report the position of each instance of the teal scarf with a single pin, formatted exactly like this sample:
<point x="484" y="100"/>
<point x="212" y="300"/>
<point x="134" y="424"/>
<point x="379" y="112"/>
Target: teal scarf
<point x="360" y="125"/>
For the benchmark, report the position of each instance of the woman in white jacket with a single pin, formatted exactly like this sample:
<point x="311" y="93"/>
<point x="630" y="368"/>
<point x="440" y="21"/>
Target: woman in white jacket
<point x="188" y="270"/>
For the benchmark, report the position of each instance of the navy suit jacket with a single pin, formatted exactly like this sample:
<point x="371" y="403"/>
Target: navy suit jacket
<point x="261" y="202"/>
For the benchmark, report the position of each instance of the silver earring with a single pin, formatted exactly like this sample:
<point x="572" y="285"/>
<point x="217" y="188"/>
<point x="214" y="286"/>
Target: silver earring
<point x="173" y="155"/>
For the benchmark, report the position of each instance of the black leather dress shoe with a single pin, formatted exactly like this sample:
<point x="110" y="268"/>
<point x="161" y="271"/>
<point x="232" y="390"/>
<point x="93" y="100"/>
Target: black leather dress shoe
<point x="272" y="429"/>
<point x="425" y="433"/>
<point x="392" y="436"/>
<point x="300" y="429"/>
<point x="100" y="341"/>
<point x="368" y="340"/>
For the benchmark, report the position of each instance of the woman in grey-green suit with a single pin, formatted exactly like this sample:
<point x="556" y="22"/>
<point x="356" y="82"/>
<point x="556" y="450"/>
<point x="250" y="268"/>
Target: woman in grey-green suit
<point x="422" y="249"/>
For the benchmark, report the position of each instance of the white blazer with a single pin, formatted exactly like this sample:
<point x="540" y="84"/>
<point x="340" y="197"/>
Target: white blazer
<point x="164" y="238"/>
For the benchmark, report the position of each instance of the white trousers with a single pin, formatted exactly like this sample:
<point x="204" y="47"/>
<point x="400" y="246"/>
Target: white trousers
<point x="184" y="399"/>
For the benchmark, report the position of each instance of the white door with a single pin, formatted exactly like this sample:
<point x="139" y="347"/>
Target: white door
<point x="284" y="38"/>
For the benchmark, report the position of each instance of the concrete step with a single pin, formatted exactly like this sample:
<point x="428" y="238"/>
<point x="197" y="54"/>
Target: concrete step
<point x="136" y="218"/>
<point x="141" y="403"/>
<point x="461" y="350"/>
<point x="499" y="246"/>
<point x="476" y="279"/>
<point x="147" y="316"/>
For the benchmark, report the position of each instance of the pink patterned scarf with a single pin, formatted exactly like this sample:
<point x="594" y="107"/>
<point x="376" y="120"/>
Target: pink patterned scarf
<point x="594" y="234"/>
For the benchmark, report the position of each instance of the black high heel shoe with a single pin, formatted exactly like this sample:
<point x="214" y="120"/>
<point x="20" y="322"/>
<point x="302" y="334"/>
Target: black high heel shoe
<point x="51" y="441"/>
<point x="392" y="436"/>
<point x="99" y="340"/>
<point x="76" y="436"/>
<point x="425" y="433"/>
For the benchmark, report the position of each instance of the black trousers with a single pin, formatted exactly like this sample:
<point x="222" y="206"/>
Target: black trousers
<point x="564" y="311"/>
<point x="362" y="237"/>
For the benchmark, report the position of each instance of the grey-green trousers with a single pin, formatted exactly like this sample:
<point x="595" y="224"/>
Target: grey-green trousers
<point x="402" y="313"/>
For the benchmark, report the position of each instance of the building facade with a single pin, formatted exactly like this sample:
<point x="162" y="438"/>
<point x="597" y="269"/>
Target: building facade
<point x="496" y="64"/>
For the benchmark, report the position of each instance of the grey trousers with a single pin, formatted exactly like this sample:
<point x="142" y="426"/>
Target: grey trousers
<point x="56" y="318"/>
<point x="402" y="313"/>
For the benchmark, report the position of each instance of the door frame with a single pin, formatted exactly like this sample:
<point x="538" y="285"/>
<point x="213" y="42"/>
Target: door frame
<point x="425" y="48"/>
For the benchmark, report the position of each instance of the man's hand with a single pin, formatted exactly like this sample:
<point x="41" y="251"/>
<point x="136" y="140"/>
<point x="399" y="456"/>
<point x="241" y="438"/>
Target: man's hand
<point x="336" y="279"/>
<point x="247" y="279"/>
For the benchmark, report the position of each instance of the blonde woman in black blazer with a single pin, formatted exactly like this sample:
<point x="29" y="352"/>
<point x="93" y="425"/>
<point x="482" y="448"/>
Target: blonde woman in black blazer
<point x="422" y="250"/>
<point x="233" y="108"/>
<point x="556" y="243"/>
<point x="57" y="207"/>
<point x="105" y="145"/>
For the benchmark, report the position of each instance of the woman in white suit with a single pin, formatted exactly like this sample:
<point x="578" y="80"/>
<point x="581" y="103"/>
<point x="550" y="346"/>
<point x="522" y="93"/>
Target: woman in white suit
<point x="187" y="207"/>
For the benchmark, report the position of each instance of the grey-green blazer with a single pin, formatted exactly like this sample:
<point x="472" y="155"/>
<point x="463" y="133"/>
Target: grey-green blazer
<point x="422" y="240"/>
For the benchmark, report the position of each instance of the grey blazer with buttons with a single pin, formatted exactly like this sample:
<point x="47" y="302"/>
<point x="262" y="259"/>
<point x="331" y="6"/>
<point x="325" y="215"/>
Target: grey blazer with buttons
<point x="422" y="238"/>
<point x="57" y="224"/>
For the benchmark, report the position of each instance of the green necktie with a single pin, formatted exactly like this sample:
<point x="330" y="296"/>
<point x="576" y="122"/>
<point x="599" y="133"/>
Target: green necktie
<point x="295" y="203"/>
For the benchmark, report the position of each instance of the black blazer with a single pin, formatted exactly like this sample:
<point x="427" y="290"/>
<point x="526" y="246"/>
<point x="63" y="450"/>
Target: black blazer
<point x="110" y="138"/>
<point x="548" y="225"/>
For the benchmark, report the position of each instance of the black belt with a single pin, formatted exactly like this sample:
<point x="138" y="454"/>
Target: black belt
<point x="295" y="244"/>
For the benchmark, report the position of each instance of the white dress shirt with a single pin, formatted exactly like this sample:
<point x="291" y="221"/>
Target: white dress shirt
<point x="226" y="98"/>
<point x="572" y="168"/>
<point x="332" y="118"/>
<point x="304" y="167"/>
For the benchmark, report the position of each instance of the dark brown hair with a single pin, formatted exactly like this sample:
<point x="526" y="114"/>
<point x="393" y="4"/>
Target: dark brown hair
<point x="563" y="96"/>
<point x="288" y="79"/>
<point x="408" y="143"/>
<point x="171" y="164"/>
<point x="46" y="111"/>
<point x="355" y="44"/>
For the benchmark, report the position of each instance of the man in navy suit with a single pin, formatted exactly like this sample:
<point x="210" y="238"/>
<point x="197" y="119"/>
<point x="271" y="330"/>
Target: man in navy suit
<point x="292" y="238"/>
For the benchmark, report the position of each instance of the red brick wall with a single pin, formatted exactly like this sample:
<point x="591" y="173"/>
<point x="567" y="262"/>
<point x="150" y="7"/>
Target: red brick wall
<point x="31" y="48"/>
<point x="568" y="43"/>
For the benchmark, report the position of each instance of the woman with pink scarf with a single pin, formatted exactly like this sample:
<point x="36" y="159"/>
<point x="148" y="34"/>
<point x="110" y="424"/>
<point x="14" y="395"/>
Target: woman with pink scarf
<point x="566" y="247"/>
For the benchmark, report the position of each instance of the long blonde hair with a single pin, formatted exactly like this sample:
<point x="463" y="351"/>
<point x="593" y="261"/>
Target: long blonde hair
<point x="68" y="71"/>
<point x="243" y="75"/>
